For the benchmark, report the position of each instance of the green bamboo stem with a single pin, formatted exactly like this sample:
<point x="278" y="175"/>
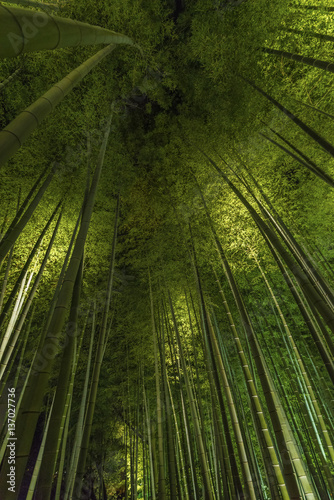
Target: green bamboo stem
<point x="313" y="168"/>
<point x="173" y="472"/>
<point x="10" y="238"/>
<point x="81" y="417"/>
<point x="328" y="147"/>
<point x="322" y="348"/>
<point x="284" y="437"/>
<point x="99" y="353"/>
<point x="301" y="277"/>
<point x="302" y="368"/>
<point x="148" y="423"/>
<point x="233" y="414"/>
<point x="186" y="492"/>
<point x="9" y="351"/>
<point x="209" y="495"/>
<point x="310" y="61"/>
<point x="39" y="460"/>
<point x="17" y="131"/>
<point x="4" y="83"/>
<point x="33" y="397"/>
<point x="23" y="31"/>
<point x="5" y="279"/>
<point x="7" y="306"/>
<point x="63" y="453"/>
<point x="161" y="461"/>
<point x="61" y="396"/>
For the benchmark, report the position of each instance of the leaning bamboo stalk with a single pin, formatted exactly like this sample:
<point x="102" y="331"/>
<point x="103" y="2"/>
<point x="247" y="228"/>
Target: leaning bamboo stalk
<point x="327" y="146"/>
<point x="98" y="356"/>
<point x="39" y="460"/>
<point x="81" y="417"/>
<point x="7" y="306"/>
<point x="233" y="413"/>
<point x="20" y="209"/>
<point x="161" y="460"/>
<point x="314" y="169"/>
<point x="5" y="280"/>
<point x="13" y="317"/>
<point x="58" y="414"/>
<point x="201" y="448"/>
<point x="281" y="428"/>
<point x="308" y="288"/>
<point x="173" y="472"/>
<point x="33" y="398"/>
<point x="23" y="30"/>
<point x="301" y="365"/>
<point x="4" y="83"/>
<point x="310" y="61"/>
<point x="149" y="442"/>
<point x="312" y="326"/>
<point x="18" y="328"/>
<point x="178" y="440"/>
<point x="63" y="434"/>
<point x="63" y="452"/>
<point x="214" y="382"/>
<point x="10" y="238"/>
<point x="18" y="130"/>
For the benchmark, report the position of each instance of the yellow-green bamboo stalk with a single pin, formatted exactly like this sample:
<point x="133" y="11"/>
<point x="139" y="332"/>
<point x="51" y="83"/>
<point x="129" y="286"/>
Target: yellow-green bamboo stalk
<point x="18" y="327"/>
<point x="39" y="460"/>
<point x="24" y="30"/>
<point x="233" y="413"/>
<point x="301" y="365"/>
<point x="18" y="130"/>
<point x="33" y="397"/>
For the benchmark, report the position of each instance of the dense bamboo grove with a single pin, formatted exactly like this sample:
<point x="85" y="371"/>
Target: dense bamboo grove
<point x="166" y="250"/>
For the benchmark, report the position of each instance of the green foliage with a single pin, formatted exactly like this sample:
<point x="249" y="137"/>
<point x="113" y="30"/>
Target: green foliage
<point x="183" y="94"/>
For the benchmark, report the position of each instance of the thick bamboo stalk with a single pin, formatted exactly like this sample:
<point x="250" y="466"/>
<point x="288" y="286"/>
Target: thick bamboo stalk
<point x="23" y="30"/>
<point x="66" y="369"/>
<point x="17" y="131"/>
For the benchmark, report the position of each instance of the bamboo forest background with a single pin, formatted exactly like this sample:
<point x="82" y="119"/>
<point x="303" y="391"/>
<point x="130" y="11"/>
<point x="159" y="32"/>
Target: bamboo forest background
<point x="167" y="250"/>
